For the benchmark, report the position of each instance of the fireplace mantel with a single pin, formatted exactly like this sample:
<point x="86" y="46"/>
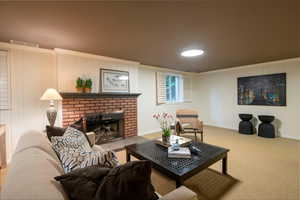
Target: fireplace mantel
<point x="98" y="95"/>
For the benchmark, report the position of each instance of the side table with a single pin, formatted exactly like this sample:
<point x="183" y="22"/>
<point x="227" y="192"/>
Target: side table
<point x="266" y="129"/>
<point x="245" y="126"/>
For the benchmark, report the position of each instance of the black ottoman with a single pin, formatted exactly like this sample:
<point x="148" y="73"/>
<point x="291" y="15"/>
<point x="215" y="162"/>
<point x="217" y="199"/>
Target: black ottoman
<point x="245" y="126"/>
<point x="266" y="129"/>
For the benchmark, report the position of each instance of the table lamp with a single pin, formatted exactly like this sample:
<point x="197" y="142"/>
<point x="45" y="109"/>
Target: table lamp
<point x="51" y="95"/>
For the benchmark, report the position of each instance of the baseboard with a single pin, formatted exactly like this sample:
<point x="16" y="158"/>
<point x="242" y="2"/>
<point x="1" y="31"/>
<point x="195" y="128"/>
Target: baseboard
<point x="217" y="126"/>
<point x="232" y="129"/>
<point x="290" y="137"/>
<point x="149" y="132"/>
<point x="224" y="127"/>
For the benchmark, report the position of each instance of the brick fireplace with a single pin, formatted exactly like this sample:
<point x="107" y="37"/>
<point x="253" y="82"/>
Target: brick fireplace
<point x="78" y="105"/>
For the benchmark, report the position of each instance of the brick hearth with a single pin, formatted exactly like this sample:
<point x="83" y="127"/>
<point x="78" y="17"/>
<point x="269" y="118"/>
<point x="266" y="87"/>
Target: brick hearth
<point x="74" y="107"/>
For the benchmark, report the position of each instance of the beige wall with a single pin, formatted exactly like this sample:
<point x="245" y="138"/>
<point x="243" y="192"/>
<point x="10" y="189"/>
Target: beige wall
<point x="71" y="65"/>
<point x="32" y="71"/>
<point x="216" y="97"/>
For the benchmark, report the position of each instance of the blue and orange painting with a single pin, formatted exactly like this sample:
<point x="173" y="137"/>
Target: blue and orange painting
<point x="267" y="90"/>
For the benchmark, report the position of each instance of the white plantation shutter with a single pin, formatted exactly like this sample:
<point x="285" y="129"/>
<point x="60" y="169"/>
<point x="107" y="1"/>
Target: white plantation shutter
<point x="160" y="88"/>
<point x="187" y="88"/>
<point x="4" y="81"/>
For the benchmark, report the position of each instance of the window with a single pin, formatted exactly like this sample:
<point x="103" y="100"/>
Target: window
<point x="4" y="81"/>
<point x="172" y="88"/>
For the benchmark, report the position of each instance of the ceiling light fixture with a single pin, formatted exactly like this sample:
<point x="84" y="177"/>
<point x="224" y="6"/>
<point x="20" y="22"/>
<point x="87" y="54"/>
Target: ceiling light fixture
<point x="192" y="53"/>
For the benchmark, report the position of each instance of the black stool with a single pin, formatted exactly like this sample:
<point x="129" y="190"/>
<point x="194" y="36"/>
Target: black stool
<point x="245" y="126"/>
<point x="266" y="129"/>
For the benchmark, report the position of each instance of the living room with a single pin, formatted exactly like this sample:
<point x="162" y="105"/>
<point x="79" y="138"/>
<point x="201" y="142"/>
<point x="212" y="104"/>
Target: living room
<point x="61" y="45"/>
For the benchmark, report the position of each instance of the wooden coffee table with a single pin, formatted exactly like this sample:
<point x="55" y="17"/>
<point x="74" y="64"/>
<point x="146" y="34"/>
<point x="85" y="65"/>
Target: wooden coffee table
<point x="178" y="169"/>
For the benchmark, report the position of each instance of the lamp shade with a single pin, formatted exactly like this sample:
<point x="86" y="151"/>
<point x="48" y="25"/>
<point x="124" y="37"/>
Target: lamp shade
<point x="51" y="94"/>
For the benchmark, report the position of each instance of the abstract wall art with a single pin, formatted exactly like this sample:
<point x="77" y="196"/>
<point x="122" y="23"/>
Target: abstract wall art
<point x="267" y="90"/>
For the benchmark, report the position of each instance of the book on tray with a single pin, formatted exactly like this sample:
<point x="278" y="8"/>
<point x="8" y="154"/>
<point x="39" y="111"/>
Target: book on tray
<point x="182" y="152"/>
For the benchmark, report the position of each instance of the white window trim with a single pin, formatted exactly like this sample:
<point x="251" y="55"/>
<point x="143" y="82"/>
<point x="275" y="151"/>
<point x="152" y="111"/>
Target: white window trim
<point x="9" y="106"/>
<point x="182" y="99"/>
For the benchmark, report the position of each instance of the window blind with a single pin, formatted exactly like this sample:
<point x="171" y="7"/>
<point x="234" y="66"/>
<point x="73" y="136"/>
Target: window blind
<point x="4" y="81"/>
<point x="187" y="88"/>
<point x="160" y="88"/>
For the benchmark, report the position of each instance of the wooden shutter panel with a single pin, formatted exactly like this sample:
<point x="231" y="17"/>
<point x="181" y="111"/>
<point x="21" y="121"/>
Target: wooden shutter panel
<point x="4" y="81"/>
<point x="187" y="88"/>
<point x="160" y="88"/>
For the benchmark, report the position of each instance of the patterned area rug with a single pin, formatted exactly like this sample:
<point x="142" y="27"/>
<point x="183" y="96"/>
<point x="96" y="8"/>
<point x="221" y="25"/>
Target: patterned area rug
<point x="208" y="184"/>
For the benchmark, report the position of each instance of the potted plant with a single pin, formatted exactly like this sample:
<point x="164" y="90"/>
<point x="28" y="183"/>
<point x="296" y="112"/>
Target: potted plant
<point x="88" y="85"/>
<point x="79" y="84"/>
<point x="165" y="120"/>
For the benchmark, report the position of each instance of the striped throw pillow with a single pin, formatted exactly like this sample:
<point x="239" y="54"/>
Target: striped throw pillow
<point x="74" y="152"/>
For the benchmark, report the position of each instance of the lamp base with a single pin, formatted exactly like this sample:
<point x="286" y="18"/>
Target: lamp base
<point x="51" y="114"/>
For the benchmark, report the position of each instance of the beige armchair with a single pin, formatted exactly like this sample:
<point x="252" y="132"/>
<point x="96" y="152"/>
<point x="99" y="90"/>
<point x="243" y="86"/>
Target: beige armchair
<point x="188" y="122"/>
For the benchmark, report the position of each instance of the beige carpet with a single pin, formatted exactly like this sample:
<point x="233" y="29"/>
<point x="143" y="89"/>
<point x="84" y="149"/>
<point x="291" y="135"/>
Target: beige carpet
<point x="259" y="168"/>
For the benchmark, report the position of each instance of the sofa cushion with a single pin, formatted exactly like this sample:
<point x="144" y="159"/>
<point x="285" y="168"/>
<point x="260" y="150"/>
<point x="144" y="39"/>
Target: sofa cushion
<point x="71" y="148"/>
<point x="74" y="152"/>
<point x="82" y="184"/>
<point x="129" y="181"/>
<point x="31" y="171"/>
<point x="133" y="181"/>
<point x="54" y="131"/>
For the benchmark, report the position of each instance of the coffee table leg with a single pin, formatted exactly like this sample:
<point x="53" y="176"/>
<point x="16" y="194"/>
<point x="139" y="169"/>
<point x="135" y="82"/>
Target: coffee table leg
<point x="178" y="183"/>
<point x="127" y="156"/>
<point x="224" y="165"/>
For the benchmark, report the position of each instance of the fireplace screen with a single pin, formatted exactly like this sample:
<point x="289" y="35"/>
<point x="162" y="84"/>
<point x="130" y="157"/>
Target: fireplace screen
<point x="107" y="126"/>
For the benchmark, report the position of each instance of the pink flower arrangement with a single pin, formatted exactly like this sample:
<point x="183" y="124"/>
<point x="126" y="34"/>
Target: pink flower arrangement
<point x="165" y="120"/>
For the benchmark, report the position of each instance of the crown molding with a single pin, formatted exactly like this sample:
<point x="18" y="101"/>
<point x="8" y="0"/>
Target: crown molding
<point x="9" y="46"/>
<point x="251" y="66"/>
<point x="162" y="69"/>
<point x="94" y="56"/>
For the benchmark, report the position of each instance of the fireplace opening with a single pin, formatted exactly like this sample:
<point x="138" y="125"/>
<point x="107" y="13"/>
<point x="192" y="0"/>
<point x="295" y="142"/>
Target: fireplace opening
<point x="107" y="126"/>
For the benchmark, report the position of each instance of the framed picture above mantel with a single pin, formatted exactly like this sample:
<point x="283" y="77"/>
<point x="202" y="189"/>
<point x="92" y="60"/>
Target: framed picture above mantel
<point x="114" y="81"/>
<point x="266" y="90"/>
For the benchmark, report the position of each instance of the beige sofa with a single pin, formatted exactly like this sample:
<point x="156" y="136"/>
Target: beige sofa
<point x="33" y="166"/>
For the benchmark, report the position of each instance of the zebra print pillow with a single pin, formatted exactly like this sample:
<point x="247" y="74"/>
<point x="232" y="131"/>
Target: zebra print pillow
<point x="74" y="152"/>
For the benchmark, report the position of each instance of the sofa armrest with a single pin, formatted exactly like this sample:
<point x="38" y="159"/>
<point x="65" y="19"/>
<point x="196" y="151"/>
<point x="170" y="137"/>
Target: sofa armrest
<point x="181" y="193"/>
<point x="91" y="137"/>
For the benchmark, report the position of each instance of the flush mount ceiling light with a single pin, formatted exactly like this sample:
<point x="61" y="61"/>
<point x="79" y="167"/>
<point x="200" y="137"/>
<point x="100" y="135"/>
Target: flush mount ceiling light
<point x="192" y="53"/>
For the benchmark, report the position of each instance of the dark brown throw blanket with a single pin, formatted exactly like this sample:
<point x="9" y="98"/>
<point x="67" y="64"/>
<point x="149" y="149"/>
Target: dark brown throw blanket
<point x="129" y="181"/>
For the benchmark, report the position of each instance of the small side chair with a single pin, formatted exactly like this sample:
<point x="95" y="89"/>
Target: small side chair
<point x="188" y="122"/>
